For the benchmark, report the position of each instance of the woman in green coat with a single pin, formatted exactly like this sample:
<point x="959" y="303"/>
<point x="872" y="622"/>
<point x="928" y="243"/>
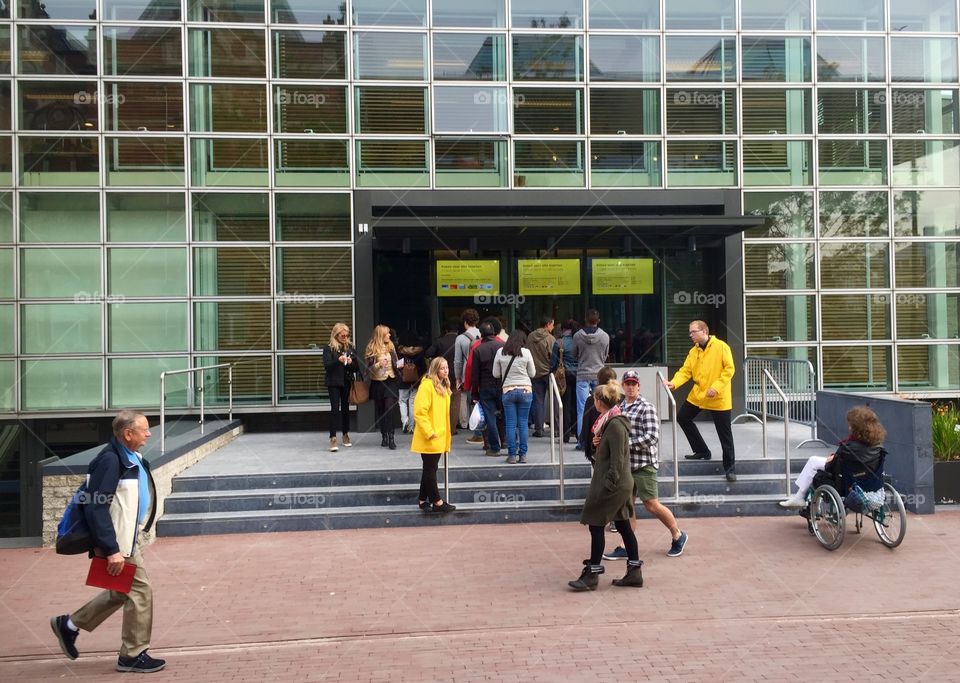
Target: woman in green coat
<point x="610" y="496"/>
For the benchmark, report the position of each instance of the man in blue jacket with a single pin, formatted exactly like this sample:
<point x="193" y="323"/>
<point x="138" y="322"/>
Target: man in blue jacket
<point x="121" y="505"/>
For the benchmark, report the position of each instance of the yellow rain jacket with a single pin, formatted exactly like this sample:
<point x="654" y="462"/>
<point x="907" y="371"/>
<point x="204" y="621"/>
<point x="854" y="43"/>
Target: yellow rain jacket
<point x="710" y="368"/>
<point x="431" y="415"/>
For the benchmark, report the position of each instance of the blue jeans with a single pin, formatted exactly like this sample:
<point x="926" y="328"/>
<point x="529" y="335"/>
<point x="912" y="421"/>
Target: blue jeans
<point x="516" y="410"/>
<point x="584" y="391"/>
<point x="490" y="403"/>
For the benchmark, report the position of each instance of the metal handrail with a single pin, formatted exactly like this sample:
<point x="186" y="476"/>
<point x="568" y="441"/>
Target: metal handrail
<point x="163" y="396"/>
<point x="786" y="422"/>
<point x="662" y="381"/>
<point x="556" y="433"/>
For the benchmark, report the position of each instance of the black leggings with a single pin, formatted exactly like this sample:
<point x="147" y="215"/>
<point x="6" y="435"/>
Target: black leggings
<point x="629" y="541"/>
<point x="428" y="479"/>
<point x="339" y="410"/>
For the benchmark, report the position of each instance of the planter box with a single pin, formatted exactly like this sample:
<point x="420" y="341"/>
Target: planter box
<point x="946" y="481"/>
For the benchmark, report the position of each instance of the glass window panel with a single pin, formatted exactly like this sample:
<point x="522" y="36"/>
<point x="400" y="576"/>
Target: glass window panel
<point x="58" y="105"/>
<point x="6" y="273"/>
<point x="479" y="14"/>
<point x="75" y="10"/>
<point x="926" y="367"/>
<point x="136" y="382"/>
<point x="459" y="109"/>
<point x="851" y="112"/>
<point x="928" y="315"/>
<point x="390" y="12"/>
<point x="775" y="15"/>
<point x="925" y="112"/>
<point x="6" y="217"/>
<point x="5" y="55"/>
<point x="151" y="162"/>
<point x="853" y="162"/>
<point x="391" y="110"/>
<point x="546" y="14"/>
<point x="219" y="217"/>
<point x="624" y="58"/>
<point x="236" y="11"/>
<point x="548" y="111"/>
<point x="853" y="214"/>
<point x="701" y="14"/>
<point x="54" y="161"/>
<point x="857" y="368"/>
<point x="848" y="265"/>
<point x="302" y="379"/>
<point x="776" y="162"/>
<point x="787" y="214"/>
<point x="310" y="54"/>
<point x="554" y="163"/>
<point x="624" y="14"/>
<point x="143" y="106"/>
<point x="55" y="49"/>
<point x="149" y="271"/>
<point x="850" y="58"/>
<point x="7" y="341"/>
<point x="226" y="162"/>
<point x="60" y="328"/>
<point x="392" y="163"/>
<point x="695" y="58"/>
<point x="926" y="162"/>
<point x="307" y="109"/>
<point x="701" y="163"/>
<point x="390" y="56"/>
<point x="776" y="59"/>
<point x="929" y="16"/>
<point x="226" y="53"/>
<point x="781" y="318"/>
<point x="547" y="57"/>
<point x="778" y="266"/>
<point x="142" y="51"/>
<point x="8" y="372"/>
<point x="850" y="15"/>
<point x="926" y="213"/>
<point x="923" y="60"/>
<point x="64" y="273"/>
<point x="59" y="217"/>
<point x="314" y="270"/>
<point x="311" y="163"/>
<point x="231" y="271"/>
<point x="855" y="317"/>
<point x="313" y="217"/>
<point x="469" y="57"/>
<point x="927" y="264"/>
<point x="147" y="327"/>
<point x="622" y="111"/>
<point x="228" y="108"/>
<point x="252" y="379"/>
<point x="701" y="112"/>
<point x="332" y="12"/>
<point x="470" y="163"/>
<point x="6" y="106"/>
<point x="141" y="10"/>
<point x="231" y="325"/>
<point x="6" y="160"/>
<point x="625" y="163"/>
<point x="776" y="112"/>
<point x="146" y="217"/>
<point x="68" y="384"/>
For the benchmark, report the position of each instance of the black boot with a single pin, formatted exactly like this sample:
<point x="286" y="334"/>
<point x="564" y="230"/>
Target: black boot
<point x="589" y="577"/>
<point x="391" y="444"/>
<point x="633" y="577"/>
<point x="384" y="440"/>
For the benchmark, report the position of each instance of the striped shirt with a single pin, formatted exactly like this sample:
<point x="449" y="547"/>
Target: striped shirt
<point x="644" y="432"/>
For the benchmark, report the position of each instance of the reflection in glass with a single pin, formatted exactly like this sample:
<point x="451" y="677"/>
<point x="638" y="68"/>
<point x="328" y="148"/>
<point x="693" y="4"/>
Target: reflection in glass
<point x="855" y="316"/>
<point x="624" y="14"/>
<point x="7" y="341"/>
<point x="252" y="379"/>
<point x="67" y="50"/>
<point x="8" y="384"/>
<point x="925" y="367"/>
<point x="624" y="58"/>
<point x="851" y="112"/>
<point x="775" y="15"/>
<point x="159" y="271"/>
<point x="923" y="60"/>
<point x="55" y="161"/>
<point x="776" y="112"/>
<point x="62" y="273"/>
<point x="551" y="111"/>
<point x="701" y="112"/>
<point x="925" y="112"/>
<point x="625" y="163"/>
<point x="6" y="162"/>
<point x="136" y="381"/>
<point x="228" y="108"/>
<point x="775" y="162"/>
<point x="300" y="325"/>
<point x="778" y="266"/>
<point x="926" y="213"/>
<point x="146" y="217"/>
<point x="776" y="59"/>
<point x="58" y="105"/>
<point x="927" y="264"/>
<point x="59" y="217"/>
<point x="692" y="58"/>
<point x="219" y="217"/>
<point x="701" y="163"/>
<point x="70" y="384"/>
<point x="469" y="57"/>
<point x="553" y="163"/>
<point x="6" y="279"/>
<point x="301" y="378"/>
<point x="852" y="162"/>
<point x="231" y="325"/>
<point x="392" y="163"/>
<point x="860" y="213"/>
<point x="389" y="12"/>
<point x="459" y="109"/>
<point x="6" y="219"/>
<point x="547" y="57"/>
<point x="313" y="217"/>
<point x="143" y="106"/>
<point x="857" y="368"/>
<point x="926" y="162"/>
<point x="309" y="54"/>
<point x="850" y="58"/>
<point x="390" y="56"/>
<point x="5" y="60"/>
<point x="314" y="270"/>
<point x="309" y="109"/>
<point x="73" y="10"/>
<point x="391" y="110"/>
<point x="332" y="12"/>
<point x="141" y="10"/>
<point x="142" y="51"/>
<point x="225" y="162"/>
<point x="927" y="315"/>
<point x="231" y="271"/>
<point x="236" y="11"/>
<point x="929" y="16"/>
<point x="226" y="53"/>
<point x="479" y="13"/>
<point x="701" y="14"/>
<point x="848" y="265"/>
<point x="850" y="15"/>
<point x="546" y="14"/>
<point x="787" y="214"/>
<point x="470" y="163"/>
<point x="781" y="318"/>
<point x="624" y="111"/>
<point x="311" y="163"/>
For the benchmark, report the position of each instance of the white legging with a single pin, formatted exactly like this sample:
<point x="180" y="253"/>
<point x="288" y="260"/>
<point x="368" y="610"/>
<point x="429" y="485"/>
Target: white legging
<point x="815" y="463"/>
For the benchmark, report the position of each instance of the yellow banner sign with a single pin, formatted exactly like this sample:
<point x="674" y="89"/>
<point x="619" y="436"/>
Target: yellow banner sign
<point x="468" y="278"/>
<point x="548" y="276"/>
<point x="622" y="275"/>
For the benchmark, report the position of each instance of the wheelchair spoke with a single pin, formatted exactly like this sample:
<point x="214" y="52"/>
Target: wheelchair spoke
<point x="890" y="522"/>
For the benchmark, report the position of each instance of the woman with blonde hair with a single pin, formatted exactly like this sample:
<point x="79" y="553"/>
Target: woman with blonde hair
<point x="431" y="431"/>
<point x="383" y="368"/>
<point x="340" y="363"/>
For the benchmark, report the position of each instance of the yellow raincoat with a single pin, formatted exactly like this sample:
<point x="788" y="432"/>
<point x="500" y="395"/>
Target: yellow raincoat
<point x="431" y="415"/>
<point x="709" y="368"/>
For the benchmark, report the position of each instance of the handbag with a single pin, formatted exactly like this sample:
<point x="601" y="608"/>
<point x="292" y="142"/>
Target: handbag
<point x="560" y="374"/>
<point x="359" y="392"/>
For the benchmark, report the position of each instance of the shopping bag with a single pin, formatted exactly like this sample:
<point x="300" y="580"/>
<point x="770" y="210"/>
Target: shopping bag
<point x="476" y="417"/>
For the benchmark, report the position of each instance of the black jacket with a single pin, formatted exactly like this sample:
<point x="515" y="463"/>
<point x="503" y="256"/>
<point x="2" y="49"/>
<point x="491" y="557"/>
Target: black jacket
<point x="481" y="367"/>
<point x="590" y="415"/>
<point x="857" y="462"/>
<point x="338" y="374"/>
<point x="445" y="346"/>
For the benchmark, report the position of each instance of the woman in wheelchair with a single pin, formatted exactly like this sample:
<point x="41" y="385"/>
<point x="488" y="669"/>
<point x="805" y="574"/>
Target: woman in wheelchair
<point x="857" y="460"/>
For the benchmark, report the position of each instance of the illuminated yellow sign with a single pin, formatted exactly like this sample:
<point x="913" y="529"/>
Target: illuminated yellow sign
<point x="622" y="275"/>
<point x="548" y="276"/>
<point x="468" y="278"/>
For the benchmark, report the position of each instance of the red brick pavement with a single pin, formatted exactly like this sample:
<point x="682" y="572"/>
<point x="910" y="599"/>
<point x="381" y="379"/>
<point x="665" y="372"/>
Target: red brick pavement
<point x="750" y="599"/>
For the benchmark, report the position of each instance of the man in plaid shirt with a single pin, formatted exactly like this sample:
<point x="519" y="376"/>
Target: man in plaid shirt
<point x="644" y="439"/>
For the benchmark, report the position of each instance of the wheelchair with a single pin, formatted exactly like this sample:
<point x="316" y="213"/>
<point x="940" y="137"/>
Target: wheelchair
<point x="827" y="510"/>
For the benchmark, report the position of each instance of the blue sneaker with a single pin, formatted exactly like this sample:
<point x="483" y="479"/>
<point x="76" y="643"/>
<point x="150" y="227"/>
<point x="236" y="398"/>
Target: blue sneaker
<point x="618" y="553"/>
<point x="677" y="546"/>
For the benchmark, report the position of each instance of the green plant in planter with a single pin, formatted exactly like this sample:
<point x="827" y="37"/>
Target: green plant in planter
<point x="946" y="438"/>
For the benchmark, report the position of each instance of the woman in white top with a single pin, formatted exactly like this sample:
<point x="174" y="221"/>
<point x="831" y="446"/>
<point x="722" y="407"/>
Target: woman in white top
<point x="514" y="366"/>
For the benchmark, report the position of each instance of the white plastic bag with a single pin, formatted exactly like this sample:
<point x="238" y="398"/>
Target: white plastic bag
<point x="476" y="417"/>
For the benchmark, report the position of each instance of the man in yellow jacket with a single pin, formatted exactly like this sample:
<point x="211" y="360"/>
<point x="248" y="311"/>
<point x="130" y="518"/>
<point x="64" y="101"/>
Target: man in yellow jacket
<point x="710" y="365"/>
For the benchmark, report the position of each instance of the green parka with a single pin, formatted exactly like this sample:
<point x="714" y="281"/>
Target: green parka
<point x="610" y="496"/>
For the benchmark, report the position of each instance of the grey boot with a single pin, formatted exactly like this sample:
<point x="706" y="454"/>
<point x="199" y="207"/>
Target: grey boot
<point x="633" y="577"/>
<point x="589" y="577"/>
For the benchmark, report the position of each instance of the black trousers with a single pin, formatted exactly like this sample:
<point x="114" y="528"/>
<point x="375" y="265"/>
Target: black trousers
<point x="629" y="541"/>
<point x="570" y="409"/>
<point x="428" y="478"/>
<point x="339" y="410"/>
<point x="721" y="420"/>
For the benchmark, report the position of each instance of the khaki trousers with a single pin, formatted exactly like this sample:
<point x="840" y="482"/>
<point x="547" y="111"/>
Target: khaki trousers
<point x="137" y="611"/>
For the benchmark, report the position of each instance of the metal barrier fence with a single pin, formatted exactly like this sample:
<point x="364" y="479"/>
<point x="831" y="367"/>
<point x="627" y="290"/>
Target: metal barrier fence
<point x="190" y="373"/>
<point x="798" y="381"/>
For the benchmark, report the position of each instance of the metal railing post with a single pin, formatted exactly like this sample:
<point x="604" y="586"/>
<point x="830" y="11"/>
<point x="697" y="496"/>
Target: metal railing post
<point x="163" y="394"/>
<point x="190" y="373"/>
<point x="786" y="426"/>
<point x="662" y="381"/>
<point x="202" y="384"/>
<point x="556" y="433"/>
<point x="446" y="476"/>
<point x="230" y="392"/>
<point x="763" y="422"/>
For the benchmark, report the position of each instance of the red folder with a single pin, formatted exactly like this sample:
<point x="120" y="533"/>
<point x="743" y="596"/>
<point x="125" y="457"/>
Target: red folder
<point x="99" y="578"/>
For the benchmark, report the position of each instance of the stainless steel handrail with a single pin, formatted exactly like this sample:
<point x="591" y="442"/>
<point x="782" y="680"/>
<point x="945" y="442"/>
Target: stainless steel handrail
<point x="556" y="433"/>
<point x="191" y="371"/>
<point x="662" y="381"/>
<point x="786" y="422"/>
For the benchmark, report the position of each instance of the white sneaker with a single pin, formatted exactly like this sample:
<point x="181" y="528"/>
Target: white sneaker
<point x="794" y="501"/>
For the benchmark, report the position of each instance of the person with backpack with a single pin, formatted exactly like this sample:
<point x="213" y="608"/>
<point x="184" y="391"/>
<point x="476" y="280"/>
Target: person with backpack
<point x="121" y="503"/>
<point x="465" y="340"/>
<point x="410" y="351"/>
<point x="546" y="355"/>
<point x="567" y="330"/>
<point x="514" y="366"/>
<point x="591" y="346"/>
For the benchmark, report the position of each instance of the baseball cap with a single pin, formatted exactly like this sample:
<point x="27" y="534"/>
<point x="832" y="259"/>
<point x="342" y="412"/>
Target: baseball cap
<point x="630" y="376"/>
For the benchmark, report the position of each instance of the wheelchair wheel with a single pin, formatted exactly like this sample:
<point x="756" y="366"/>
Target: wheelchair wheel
<point x="828" y="517"/>
<point x="890" y="521"/>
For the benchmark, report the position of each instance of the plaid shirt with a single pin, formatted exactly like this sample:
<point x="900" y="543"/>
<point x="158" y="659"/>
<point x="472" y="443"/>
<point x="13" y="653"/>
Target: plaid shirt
<point x="644" y="432"/>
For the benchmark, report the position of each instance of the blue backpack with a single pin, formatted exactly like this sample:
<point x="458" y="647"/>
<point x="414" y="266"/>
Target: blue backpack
<point x="73" y="533"/>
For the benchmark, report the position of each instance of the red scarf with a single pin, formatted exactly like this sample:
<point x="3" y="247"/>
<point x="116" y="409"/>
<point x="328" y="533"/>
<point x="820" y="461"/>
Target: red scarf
<point x="603" y="419"/>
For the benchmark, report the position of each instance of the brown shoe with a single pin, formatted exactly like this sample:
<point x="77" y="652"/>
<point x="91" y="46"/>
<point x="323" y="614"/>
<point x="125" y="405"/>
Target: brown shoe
<point x="346" y="441"/>
<point x="333" y="444"/>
